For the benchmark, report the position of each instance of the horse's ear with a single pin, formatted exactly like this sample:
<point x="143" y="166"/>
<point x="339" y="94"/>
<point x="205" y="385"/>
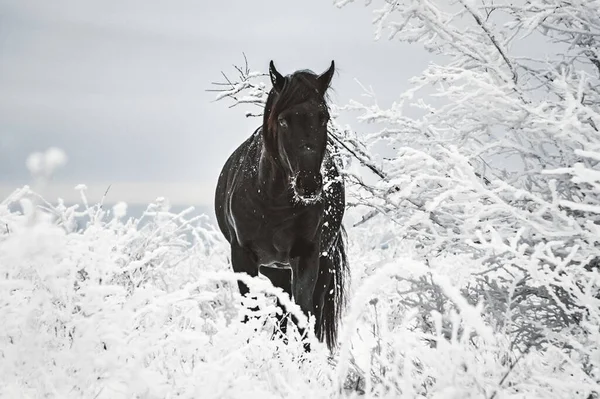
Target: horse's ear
<point x="325" y="78"/>
<point x="276" y="78"/>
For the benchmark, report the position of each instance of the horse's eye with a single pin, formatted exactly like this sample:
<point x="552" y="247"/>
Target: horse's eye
<point x="282" y="122"/>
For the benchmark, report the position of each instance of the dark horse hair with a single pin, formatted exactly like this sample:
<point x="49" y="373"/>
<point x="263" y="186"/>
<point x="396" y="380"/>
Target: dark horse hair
<point x="280" y="202"/>
<point x="334" y="269"/>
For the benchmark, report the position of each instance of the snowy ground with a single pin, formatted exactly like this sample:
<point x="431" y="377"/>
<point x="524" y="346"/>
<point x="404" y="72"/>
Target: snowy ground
<point x="115" y="311"/>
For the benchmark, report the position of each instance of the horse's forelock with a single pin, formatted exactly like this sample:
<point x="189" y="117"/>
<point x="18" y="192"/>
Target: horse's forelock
<point x="298" y="88"/>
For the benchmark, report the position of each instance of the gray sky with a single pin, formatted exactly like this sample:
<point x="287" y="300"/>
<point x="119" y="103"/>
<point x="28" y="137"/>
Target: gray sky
<point x="120" y="85"/>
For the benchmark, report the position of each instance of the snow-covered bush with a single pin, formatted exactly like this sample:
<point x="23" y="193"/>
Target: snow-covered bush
<point x="121" y="308"/>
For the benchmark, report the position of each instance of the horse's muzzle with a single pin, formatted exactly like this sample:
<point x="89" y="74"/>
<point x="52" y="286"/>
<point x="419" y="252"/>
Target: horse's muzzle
<point x="304" y="193"/>
<point x="308" y="186"/>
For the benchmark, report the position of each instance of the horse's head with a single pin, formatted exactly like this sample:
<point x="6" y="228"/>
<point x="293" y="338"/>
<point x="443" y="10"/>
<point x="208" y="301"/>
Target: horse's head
<point x="295" y="128"/>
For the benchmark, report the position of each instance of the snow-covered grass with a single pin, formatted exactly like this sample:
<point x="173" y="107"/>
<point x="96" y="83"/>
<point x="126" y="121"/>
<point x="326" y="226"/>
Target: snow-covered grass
<point x="120" y="311"/>
<point x="114" y="311"/>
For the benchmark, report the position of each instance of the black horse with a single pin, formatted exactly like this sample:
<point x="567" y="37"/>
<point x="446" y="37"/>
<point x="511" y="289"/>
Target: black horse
<point x="280" y="201"/>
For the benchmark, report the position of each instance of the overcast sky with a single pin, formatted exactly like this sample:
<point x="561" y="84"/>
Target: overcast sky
<point x="120" y="85"/>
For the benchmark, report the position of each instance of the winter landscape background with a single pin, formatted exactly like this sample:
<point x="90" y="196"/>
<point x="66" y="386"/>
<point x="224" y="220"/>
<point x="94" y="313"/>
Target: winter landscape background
<point x="473" y="199"/>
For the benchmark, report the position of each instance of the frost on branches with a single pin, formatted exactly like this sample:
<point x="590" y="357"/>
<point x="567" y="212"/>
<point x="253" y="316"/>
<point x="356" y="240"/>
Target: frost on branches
<point x="495" y="184"/>
<point x="474" y="257"/>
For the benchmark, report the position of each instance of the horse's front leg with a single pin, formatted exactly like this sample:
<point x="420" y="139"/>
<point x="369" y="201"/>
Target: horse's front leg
<point x="281" y="278"/>
<point x="305" y="274"/>
<point x="243" y="261"/>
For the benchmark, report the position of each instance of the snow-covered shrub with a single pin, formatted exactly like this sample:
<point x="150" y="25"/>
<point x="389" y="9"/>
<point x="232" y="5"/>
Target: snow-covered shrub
<point x="503" y="166"/>
<point x="121" y="308"/>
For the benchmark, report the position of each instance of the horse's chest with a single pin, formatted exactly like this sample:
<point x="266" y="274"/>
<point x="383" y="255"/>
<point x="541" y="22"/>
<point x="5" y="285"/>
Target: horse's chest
<point x="270" y="243"/>
<point x="272" y="237"/>
<point x="269" y="234"/>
